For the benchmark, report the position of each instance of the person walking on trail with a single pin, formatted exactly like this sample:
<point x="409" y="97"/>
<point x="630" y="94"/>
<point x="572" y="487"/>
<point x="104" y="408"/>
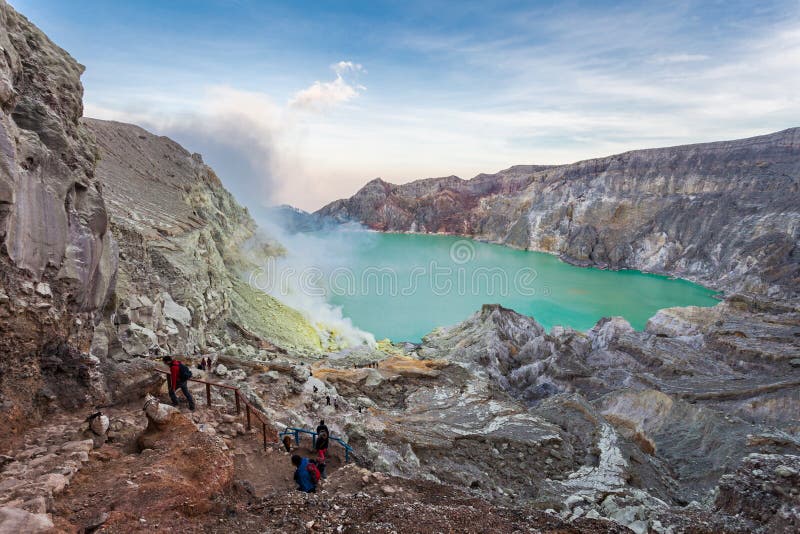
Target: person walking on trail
<point x="306" y="474"/>
<point x="179" y="376"/>
<point x="321" y="446"/>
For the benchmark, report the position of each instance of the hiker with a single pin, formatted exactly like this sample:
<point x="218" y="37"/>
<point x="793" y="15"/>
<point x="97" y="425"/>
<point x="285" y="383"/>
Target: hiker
<point x="179" y="376"/>
<point x="287" y="443"/>
<point x="306" y="475"/>
<point x="321" y="446"/>
<point x="328" y="398"/>
<point x="322" y="427"/>
<point x="202" y="364"/>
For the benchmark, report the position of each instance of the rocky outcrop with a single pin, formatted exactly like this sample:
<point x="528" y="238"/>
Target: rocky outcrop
<point x="58" y="258"/>
<point x="630" y="426"/>
<point x="78" y="307"/>
<point x="724" y="214"/>
<point x="180" y="234"/>
<point x="180" y="287"/>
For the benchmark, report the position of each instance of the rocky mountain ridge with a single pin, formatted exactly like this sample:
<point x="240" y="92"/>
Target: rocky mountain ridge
<point x="723" y="214"/>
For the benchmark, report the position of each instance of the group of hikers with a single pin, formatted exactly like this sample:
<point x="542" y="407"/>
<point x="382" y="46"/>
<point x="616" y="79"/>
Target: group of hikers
<point x="307" y="471"/>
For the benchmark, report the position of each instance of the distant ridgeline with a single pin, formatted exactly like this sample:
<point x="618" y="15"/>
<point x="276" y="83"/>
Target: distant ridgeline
<point x="724" y="214"/>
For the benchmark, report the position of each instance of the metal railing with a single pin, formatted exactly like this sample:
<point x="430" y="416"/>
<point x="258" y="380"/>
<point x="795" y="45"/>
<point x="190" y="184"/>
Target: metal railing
<point x="262" y="418"/>
<point x="290" y="431"/>
<point x="250" y="410"/>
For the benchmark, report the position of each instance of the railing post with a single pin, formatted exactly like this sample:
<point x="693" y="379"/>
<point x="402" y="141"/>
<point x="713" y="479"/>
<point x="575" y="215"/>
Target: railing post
<point x="264" y="433"/>
<point x="208" y="394"/>
<point x="236" y="394"/>
<point x="247" y="410"/>
<point x="297" y="437"/>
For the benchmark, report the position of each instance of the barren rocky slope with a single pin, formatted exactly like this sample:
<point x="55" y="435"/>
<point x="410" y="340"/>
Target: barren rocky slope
<point x="179" y="285"/>
<point x="632" y="426"/>
<point x="724" y="214"/>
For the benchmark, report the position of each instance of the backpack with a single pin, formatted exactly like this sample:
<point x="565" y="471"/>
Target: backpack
<point x="322" y="441"/>
<point x="314" y="471"/>
<point x="184" y="373"/>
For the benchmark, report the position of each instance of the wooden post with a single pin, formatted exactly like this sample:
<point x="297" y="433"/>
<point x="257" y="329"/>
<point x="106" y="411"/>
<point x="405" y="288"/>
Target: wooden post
<point x="208" y="395"/>
<point x="236" y="394"/>
<point x="247" y="410"/>
<point x="264" y="433"/>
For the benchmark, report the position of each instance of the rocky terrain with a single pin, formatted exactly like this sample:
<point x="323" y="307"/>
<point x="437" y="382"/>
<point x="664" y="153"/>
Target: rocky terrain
<point x="59" y="259"/>
<point x="723" y="214"/>
<point x="115" y="242"/>
<point x="119" y="245"/>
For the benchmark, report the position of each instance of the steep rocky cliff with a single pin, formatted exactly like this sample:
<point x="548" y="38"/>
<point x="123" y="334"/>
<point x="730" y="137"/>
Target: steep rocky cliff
<point x="58" y="258"/>
<point x="179" y="289"/>
<point x="724" y="214"/>
<point x="181" y="236"/>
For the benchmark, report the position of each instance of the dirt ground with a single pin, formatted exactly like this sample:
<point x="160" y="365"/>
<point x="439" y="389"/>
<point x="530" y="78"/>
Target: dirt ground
<point x="191" y="481"/>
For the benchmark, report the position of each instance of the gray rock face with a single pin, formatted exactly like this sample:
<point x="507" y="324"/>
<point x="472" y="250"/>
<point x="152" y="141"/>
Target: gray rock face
<point x="181" y="235"/>
<point x="53" y="225"/>
<point x="675" y="407"/>
<point x="724" y="214"/>
<point x="626" y="425"/>
<point x="53" y="214"/>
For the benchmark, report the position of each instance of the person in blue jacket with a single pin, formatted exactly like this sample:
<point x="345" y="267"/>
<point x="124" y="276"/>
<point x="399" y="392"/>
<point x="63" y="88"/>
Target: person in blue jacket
<point x="306" y="475"/>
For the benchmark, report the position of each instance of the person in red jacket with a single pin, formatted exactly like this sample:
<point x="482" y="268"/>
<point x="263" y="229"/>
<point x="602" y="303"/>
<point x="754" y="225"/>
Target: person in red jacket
<point x="179" y="376"/>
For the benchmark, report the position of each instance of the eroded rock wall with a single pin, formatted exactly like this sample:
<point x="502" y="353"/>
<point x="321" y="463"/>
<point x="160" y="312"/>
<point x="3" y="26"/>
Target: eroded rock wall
<point x="58" y="258"/>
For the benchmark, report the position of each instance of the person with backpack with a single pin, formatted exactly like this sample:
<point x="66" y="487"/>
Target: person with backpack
<point x="179" y="376"/>
<point x="306" y="474"/>
<point x="322" y="427"/>
<point x="321" y="446"/>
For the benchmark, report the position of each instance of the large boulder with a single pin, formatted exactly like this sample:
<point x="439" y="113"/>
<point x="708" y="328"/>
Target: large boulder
<point x="137" y="340"/>
<point x="174" y="311"/>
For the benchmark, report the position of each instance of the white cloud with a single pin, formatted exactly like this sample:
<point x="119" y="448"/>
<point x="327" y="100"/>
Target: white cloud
<point x="681" y="58"/>
<point x="325" y="95"/>
<point x="575" y="93"/>
<point x="343" y="67"/>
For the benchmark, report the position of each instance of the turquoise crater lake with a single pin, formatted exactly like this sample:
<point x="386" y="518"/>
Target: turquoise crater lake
<point x="402" y="286"/>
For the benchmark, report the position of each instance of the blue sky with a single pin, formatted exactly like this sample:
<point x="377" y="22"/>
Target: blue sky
<point x="303" y="102"/>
